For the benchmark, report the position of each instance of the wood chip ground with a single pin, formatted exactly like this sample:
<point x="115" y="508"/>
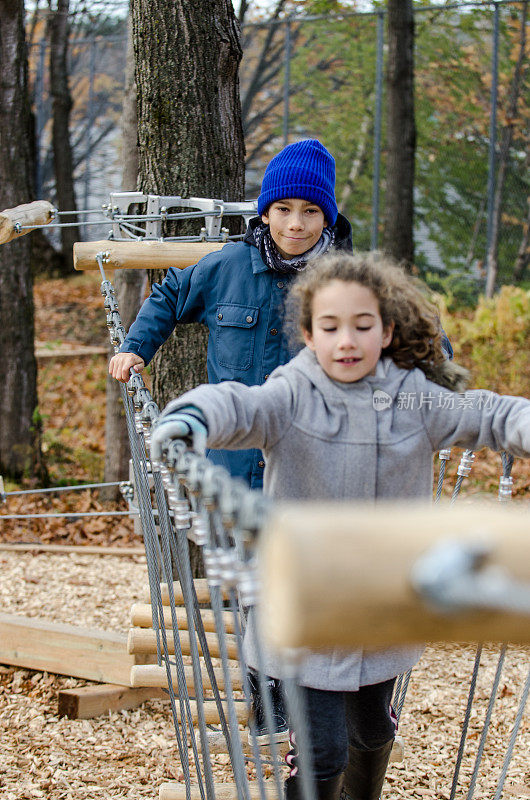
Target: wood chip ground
<point x="128" y="754"/>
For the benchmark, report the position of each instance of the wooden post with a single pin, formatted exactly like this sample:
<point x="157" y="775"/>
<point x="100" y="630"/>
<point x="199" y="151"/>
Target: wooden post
<point x="142" y="255"/>
<point x="340" y="575"/>
<point x="31" y="214"/>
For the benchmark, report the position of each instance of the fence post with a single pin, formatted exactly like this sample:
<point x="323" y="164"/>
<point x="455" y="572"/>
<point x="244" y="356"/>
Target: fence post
<point x="39" y="117"/>
<point x="286" y="82"/>
<point x="377" y="127"/>
<point x="493" y="138"/>
<point x="90" y="117"/>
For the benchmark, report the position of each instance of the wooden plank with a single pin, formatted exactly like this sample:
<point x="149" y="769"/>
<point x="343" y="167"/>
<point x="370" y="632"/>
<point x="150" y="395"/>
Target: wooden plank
<point x="82" y="550"/>
<point x="156" y="676"/>
<point x="95" y="655"/>
<point x="325" y="584"/>
<point x="201" y="587"/>
<point x="222" y="791"/>
<point x="68" y="351"/>
<point x="143" y="641"/>
<point x="142" y="255"/>
<point x="40" y="212"/>
<point x="87" y="702"/>
<point x="141" y="617"/>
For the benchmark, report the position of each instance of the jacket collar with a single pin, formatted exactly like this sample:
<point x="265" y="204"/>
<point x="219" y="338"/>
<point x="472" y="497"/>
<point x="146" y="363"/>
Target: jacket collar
<point x="258" y="265"/>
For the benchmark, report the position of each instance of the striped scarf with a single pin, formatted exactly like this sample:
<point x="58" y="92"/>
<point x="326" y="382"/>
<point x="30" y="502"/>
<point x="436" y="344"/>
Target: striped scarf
<point x="270" y="255"/>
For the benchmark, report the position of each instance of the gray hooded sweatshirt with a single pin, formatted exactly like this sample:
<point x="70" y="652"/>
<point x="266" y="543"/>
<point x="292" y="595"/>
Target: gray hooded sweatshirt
<point x="369" y="440"/>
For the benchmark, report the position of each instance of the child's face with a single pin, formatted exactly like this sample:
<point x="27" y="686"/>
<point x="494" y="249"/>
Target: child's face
<point x="348" y="334"/>
<point x="295" y="225"/>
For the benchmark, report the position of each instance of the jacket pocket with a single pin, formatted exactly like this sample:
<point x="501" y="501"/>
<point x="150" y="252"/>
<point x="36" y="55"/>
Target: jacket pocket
<point x="235" y="335"/>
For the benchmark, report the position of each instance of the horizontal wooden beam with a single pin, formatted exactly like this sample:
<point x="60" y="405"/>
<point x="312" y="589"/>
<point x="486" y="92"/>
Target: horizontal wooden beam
<point x="79" y="549"/>
<point x="87" y="702"/>
<point x="143" y="641"/>
<point x="95" y="655"/>
<point x="156" y="676"/>
<point x="340" y="575"/>
<point x="63" y="351"/>
<point x="222" y="791"/>
<point x="39" y="212"/>
<point x="141" y="255"/>
<point x="141" y="617"/>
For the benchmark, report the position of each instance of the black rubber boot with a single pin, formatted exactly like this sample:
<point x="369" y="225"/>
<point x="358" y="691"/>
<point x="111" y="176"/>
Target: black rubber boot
<point x="326" y="789"/>
<point x="365" y="772"/>
<point x="279" y="716"/>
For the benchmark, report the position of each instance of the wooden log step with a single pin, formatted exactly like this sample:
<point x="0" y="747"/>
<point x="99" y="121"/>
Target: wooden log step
<point x="142" y="255"/>
<point x="141" y="617"/>
<point x="87" y="702"/>
<point x="156" y="676"/>
<point x="212" y="715"/>
<point x="331" y="590"/>
<point x="217" y="744"/>
<point x="143" y="641"/>
<point x="223" y="791"/>
<point x="201" y="588"/>
<point x="88" y="653"/>
<point x="40" y="212"/>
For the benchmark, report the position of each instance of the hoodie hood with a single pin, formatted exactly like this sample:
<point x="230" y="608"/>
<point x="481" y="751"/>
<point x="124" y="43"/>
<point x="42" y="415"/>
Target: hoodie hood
<point x="305" y="367"/>
<point x="447" y="374"/>
<point x="341" y="228"/>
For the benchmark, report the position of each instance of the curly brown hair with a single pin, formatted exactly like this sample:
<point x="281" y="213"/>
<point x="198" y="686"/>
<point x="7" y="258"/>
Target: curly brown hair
<point x="417" y="337"/>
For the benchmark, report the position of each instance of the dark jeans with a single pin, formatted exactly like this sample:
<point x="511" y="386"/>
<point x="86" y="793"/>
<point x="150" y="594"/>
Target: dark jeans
<point x="338" y="719"/>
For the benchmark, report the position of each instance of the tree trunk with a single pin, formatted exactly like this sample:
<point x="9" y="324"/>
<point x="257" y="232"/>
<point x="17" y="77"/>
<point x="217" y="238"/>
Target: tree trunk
<point x="506" y="143"/>
<point x="19" y="429"/>
<point x="358" y="160"/>
<point x="398" y="236"/>
<point x="61" y="107"/>
<point x="189" y="134"/>
<point x="130" y="289"/>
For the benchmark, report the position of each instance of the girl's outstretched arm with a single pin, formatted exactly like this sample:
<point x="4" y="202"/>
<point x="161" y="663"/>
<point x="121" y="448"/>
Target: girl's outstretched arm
<point x="475" y="419"/>
<point x="238" y="416"/>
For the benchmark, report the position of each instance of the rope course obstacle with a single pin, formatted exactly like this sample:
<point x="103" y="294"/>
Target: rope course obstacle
<point x="475" y="585"/>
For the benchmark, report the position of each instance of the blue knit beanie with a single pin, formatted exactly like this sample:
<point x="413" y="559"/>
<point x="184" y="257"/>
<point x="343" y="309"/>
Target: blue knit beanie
<point x="304" y="170"/>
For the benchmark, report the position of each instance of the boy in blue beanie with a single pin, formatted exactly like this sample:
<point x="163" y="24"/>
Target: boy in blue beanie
<point x="238" y="293"/>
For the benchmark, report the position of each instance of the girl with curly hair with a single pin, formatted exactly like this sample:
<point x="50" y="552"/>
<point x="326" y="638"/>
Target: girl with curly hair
<point x="357" y="414"/>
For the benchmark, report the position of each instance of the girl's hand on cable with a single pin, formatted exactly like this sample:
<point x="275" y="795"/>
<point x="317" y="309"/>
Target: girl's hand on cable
<point x="120" y="366"/>
<point x="179" y="425"/>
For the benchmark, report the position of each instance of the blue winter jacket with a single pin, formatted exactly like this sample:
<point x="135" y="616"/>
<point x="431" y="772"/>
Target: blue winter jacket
<point x="240" y="300"/>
